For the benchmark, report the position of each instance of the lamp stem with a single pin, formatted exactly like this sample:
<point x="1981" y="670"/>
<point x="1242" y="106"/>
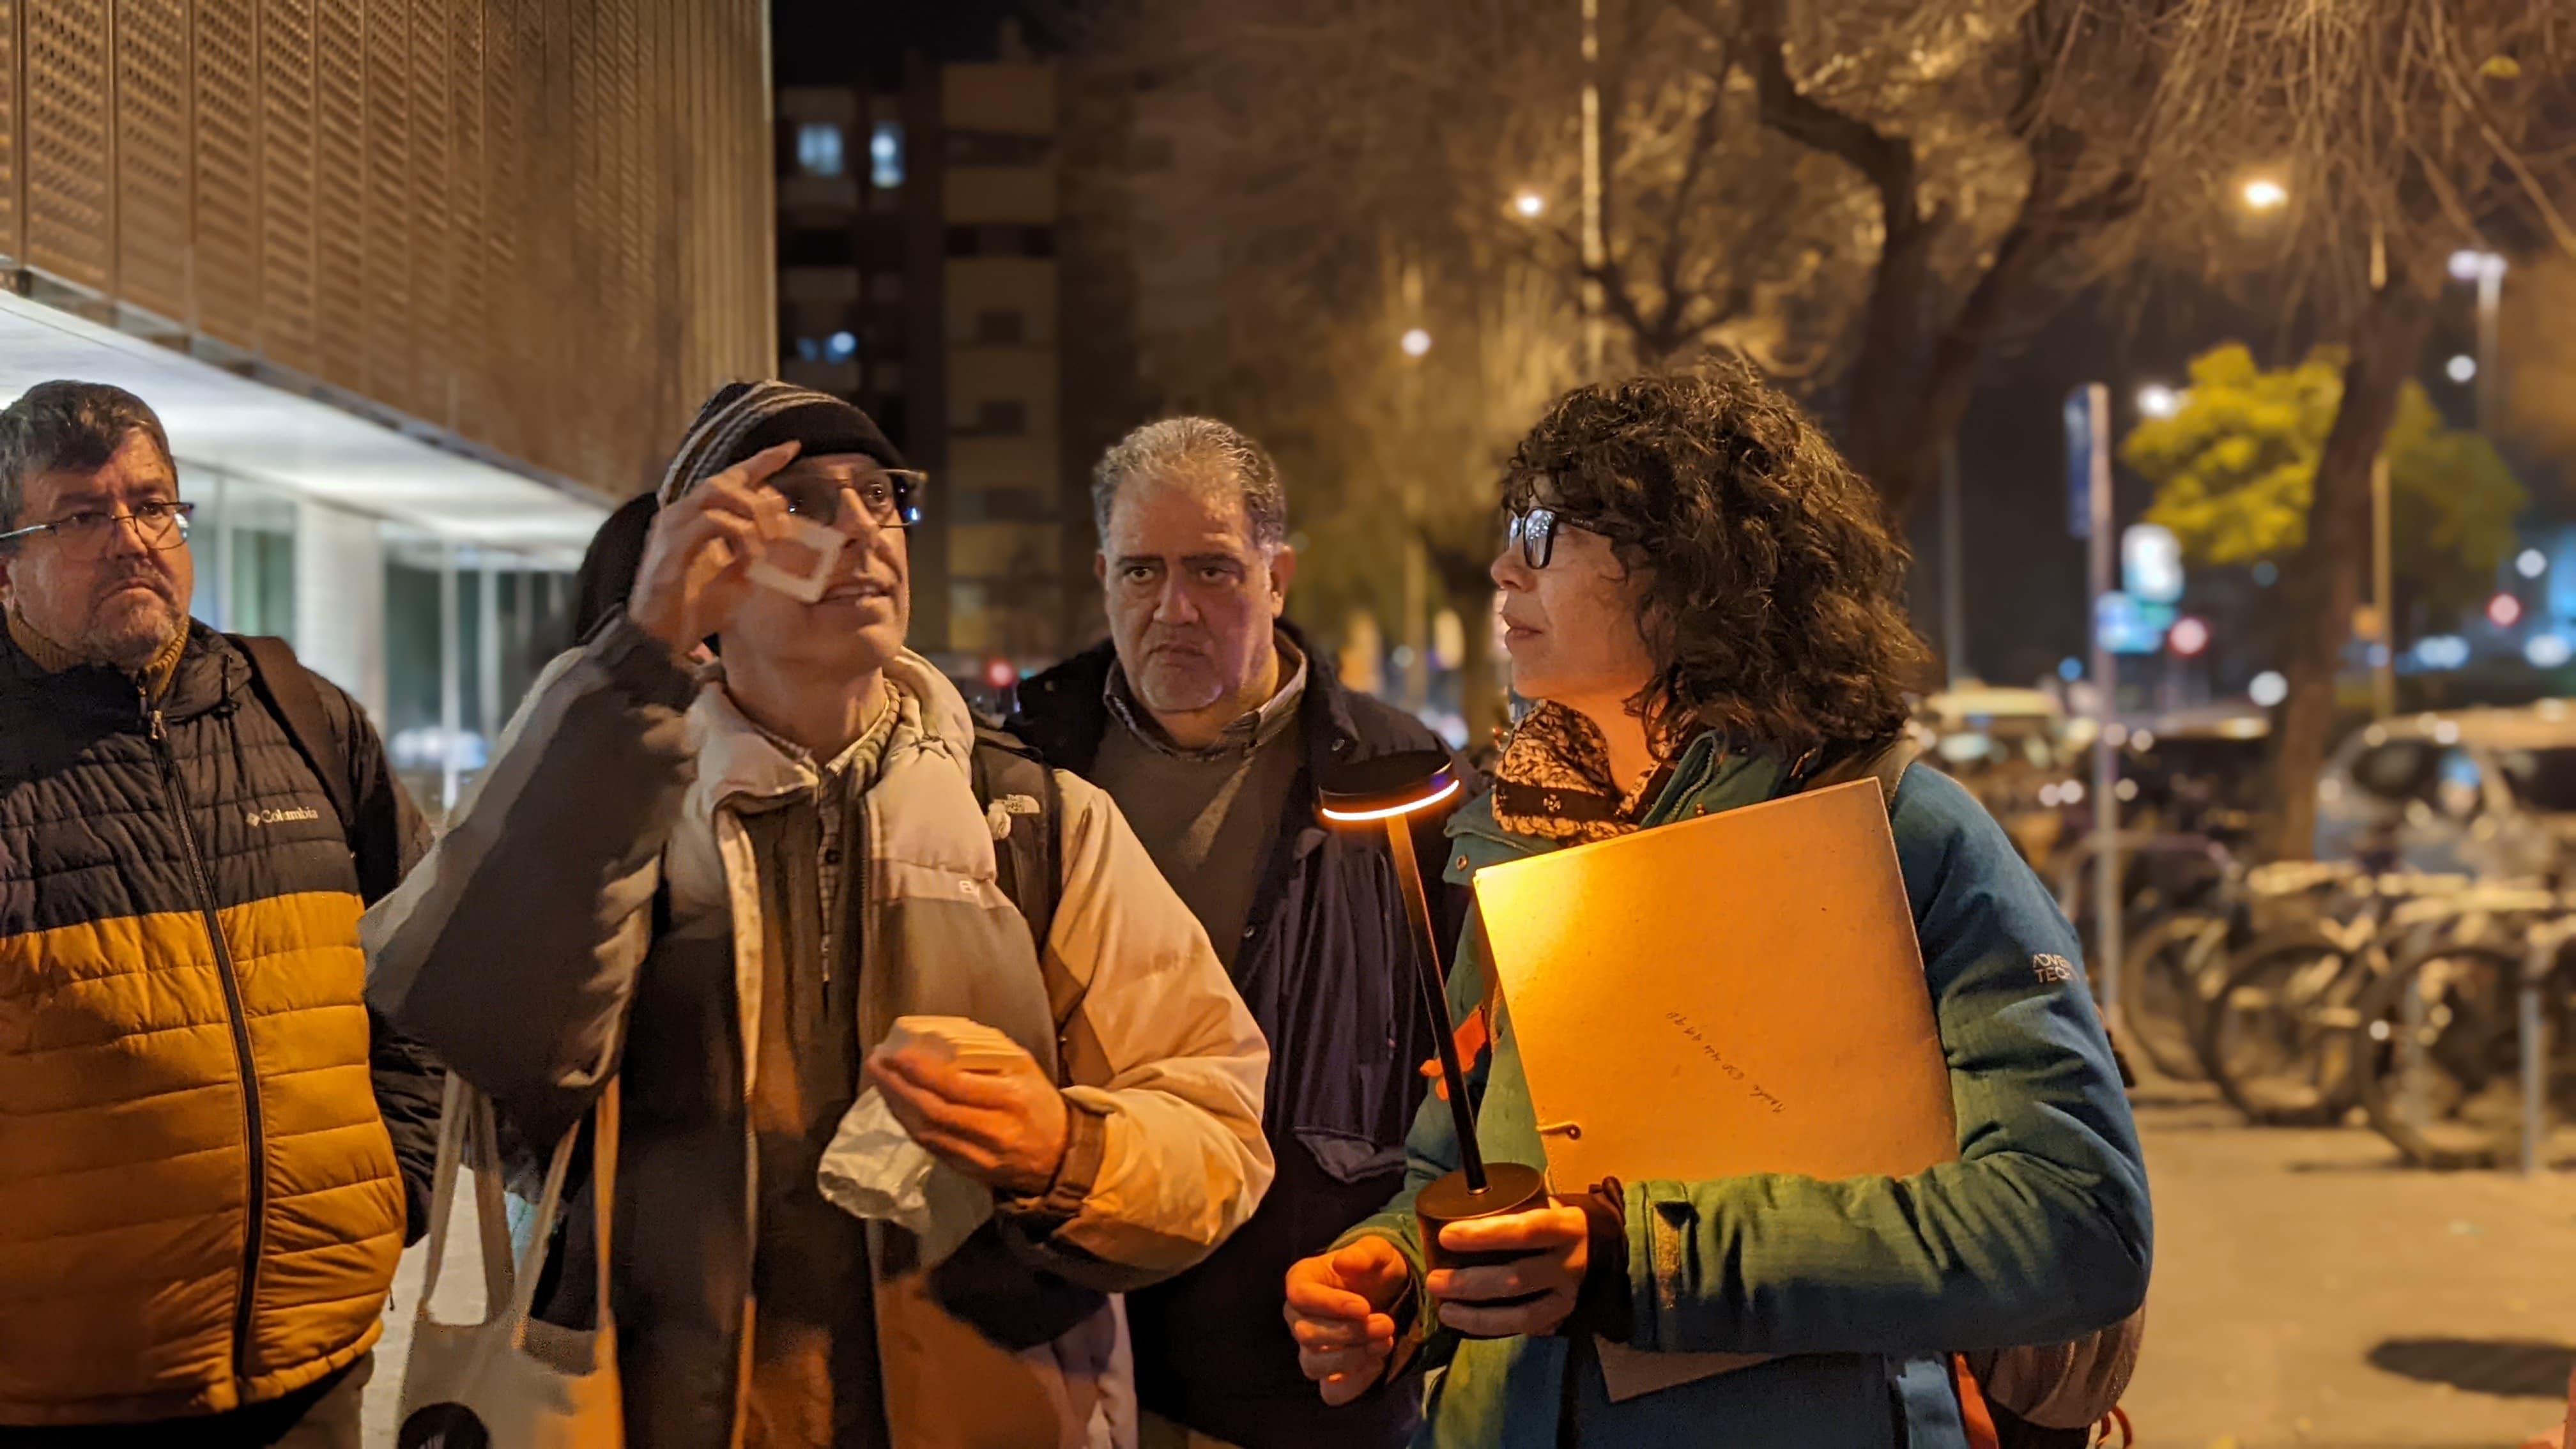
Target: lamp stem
<point x="1435" y="996"/>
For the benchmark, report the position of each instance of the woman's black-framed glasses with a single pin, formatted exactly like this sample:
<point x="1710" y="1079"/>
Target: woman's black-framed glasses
<point x="86" y="537"/>
<point x="1534" y="529"/>
<point x="892" y="497"/>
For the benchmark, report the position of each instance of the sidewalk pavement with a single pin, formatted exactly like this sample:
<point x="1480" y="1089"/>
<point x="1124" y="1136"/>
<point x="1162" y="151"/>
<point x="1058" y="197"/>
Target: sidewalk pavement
<point x="2310" y="1291"/>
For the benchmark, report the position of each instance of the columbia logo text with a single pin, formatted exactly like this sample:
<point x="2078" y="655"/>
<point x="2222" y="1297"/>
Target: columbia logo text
<point x="258" y="818"/>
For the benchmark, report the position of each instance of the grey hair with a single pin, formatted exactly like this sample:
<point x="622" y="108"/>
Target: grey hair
<point x="66" y="426"/>
<point x="1207" y="450"/>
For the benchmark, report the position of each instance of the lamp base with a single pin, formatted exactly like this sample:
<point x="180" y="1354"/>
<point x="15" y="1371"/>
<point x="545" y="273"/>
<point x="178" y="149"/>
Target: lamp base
<point x="1510" y="1188"/>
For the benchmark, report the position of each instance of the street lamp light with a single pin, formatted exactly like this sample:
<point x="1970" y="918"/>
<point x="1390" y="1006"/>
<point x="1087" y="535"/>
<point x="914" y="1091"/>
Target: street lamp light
<point x="1529" y="204"/>
<point x="2486" y="269"/>
<point x="2470" y="266"/>
<point x="1415" y="342"/>
<point x="2262" y="193"/>
<point x="2159" y="401"/>
<point x="2461" y="369"/>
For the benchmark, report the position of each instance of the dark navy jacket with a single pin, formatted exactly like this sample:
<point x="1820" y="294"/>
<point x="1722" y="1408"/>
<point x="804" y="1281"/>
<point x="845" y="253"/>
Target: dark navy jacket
<point x="1325" y="969"/>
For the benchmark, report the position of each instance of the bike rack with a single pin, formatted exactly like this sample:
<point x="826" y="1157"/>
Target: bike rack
<point x="2531" y="1023"/>
<point x="2536" y="970"/>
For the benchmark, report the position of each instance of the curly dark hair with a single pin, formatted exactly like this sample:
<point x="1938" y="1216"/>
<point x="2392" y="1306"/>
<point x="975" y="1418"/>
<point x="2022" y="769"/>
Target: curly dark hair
<point x="1774" y="591"/>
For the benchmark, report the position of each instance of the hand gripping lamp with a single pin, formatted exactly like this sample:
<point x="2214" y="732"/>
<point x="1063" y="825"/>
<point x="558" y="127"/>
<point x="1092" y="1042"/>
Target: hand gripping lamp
<point x="1389" y="791"/>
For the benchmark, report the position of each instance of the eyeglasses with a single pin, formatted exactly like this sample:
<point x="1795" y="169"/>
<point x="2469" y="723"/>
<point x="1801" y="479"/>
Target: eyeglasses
<point x="891" y="496"/>
<point x="1535" y="531"/>
<point x="90" y="536"/>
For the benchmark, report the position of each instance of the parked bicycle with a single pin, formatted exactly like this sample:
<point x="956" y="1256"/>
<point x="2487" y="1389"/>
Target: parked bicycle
<point x="2459" y="1038"/>
<point x="2275" y="1032"/>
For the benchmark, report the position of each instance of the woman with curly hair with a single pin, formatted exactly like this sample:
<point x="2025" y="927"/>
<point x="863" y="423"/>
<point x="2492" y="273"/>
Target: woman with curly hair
<point x="1705" y="603"/>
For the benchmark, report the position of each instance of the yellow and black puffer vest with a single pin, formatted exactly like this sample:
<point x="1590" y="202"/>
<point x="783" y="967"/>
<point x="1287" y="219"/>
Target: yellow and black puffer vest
<point x="199" y="1204"/>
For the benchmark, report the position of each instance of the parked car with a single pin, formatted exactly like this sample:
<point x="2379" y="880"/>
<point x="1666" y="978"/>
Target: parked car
<point x="2488" y="792"/>
<point x="2012" y="749"/>
<point x="2198" y="772"/>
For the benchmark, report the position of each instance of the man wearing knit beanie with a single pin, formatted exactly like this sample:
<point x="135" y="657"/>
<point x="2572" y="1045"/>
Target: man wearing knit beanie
<point x="723" y="887"/>
<point x="743" y="419"/>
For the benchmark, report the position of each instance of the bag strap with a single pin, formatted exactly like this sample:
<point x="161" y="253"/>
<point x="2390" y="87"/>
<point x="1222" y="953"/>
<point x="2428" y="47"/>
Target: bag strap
<point x="1887" y="763"/>
<point x="466" y="1126"/>
<point x="603" y="1196"/>
<point x="294" y="698"/>
<point x="1010" y="776"/>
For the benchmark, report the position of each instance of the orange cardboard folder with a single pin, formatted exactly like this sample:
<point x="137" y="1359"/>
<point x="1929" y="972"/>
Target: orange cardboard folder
<point x="1731" y="995"/>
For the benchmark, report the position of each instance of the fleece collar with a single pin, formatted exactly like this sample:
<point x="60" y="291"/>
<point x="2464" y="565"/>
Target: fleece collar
<point x="738" y="760"/>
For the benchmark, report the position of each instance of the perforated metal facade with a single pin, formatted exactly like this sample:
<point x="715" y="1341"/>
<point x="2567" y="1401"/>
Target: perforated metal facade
<point x="541" y="226"/>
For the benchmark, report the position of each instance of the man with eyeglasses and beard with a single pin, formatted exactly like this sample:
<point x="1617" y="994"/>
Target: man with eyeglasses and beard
<point x="211" y="1153"/>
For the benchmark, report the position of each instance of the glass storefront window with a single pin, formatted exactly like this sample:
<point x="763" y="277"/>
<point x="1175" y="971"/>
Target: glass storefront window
<point x="244" y="542"/>
<point x="466" y="631"/>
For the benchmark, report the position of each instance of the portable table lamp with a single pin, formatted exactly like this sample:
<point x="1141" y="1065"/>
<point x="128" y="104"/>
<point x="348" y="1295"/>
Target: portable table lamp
<point x="1389" y="791"/>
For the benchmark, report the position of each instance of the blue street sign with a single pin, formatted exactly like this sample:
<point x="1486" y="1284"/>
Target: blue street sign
<point x="2151" y="563"/>
<point x="2128" y="626"/>
<point x="2079" y="462"/>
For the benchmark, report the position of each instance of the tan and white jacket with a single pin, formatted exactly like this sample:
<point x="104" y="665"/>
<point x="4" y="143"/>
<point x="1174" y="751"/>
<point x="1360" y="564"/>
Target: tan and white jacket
<point x="595" y="910"/>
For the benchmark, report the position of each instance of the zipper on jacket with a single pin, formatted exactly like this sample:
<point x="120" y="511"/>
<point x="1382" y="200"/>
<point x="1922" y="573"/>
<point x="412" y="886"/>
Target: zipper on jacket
<point x="255" y="1136"/>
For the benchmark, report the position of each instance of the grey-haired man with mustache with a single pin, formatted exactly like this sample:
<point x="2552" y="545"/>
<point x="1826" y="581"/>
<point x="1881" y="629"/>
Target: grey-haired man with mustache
<point x="1212" y="721"/>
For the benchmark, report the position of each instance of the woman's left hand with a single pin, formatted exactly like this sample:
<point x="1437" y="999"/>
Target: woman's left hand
<point x="1531" y="1294"/>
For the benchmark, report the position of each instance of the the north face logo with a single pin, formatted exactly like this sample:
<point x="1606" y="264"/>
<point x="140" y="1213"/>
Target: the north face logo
<point x="258" y="818"/>
<point x="444" y="1426"/>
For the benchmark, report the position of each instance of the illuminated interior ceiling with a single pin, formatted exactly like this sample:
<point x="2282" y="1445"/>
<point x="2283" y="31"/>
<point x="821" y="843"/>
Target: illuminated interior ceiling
<point x="302" y="446"/>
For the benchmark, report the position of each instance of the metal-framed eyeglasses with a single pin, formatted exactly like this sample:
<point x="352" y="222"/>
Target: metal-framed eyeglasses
<point x="1534" y="529"/>
<point x="88" y="536"/>
<point x="891" y="497"/>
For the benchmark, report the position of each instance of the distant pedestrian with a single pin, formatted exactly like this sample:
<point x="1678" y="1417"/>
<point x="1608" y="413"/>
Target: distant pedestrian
<point x="1212" y="722"/>
<point x="211" y="1153"/>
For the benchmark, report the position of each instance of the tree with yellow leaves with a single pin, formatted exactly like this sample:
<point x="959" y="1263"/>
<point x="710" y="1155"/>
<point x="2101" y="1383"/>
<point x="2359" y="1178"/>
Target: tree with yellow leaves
<point x="2235" y="472"/>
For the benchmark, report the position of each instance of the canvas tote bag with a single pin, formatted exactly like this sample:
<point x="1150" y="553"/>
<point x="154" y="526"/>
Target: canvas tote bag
<point x="512" y="1381"/>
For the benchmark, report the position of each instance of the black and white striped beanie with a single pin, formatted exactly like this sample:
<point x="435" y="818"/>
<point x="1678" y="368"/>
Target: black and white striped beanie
<point x="745" y="417"/>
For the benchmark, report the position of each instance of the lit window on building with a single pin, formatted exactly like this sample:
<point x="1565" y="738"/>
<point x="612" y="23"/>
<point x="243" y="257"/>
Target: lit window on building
<point x="818" y="148"/>
<point x="885" y="155"/>
<point x="840" y="347"/>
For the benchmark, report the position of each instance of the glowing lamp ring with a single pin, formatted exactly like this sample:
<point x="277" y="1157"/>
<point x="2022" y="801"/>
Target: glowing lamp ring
<point x="1357" y="817"/>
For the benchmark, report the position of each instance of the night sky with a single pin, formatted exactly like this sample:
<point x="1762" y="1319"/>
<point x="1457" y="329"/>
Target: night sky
<point x="823" y="42"/>
<point x="2024" y="575"/>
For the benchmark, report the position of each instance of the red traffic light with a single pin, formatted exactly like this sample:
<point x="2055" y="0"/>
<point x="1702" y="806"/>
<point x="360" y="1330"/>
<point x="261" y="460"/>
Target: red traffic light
<point x="2188" y="637"/>
<point x="1000" y="673"/>
<point x="2504" y="611"/>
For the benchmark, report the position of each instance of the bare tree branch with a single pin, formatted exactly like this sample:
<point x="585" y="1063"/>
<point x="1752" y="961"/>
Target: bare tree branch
<point x="1888" y="161"/>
